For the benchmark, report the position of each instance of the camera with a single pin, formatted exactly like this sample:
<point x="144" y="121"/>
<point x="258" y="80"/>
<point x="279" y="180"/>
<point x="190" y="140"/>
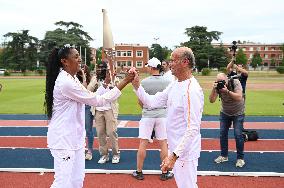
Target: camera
<point x="234" y="77"/>
<point x="220" y="84"/>
<point x="102" y="71"/>
<point x="234" y="48"/>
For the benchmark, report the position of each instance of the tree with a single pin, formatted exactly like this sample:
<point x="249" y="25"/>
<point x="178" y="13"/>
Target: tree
<point x="200" y="42"/>
<point x="256" y="60"/>
<point x="21" y="52"/>
<point x="218" y="57"/>
<point x="66" y="33"/>
<point x="241" y="58"/>
<point x="99" y="55"/>
<point x="273" y="62"/>
<point x="159" y="52"/>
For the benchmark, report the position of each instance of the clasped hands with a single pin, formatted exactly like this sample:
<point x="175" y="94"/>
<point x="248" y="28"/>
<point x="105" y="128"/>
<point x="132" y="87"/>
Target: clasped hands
<point x="133" y="76"/>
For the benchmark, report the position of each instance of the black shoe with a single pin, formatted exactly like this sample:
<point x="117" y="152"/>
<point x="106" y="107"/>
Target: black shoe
<point x="166" y="176"/>
<point x="138" y="175"/>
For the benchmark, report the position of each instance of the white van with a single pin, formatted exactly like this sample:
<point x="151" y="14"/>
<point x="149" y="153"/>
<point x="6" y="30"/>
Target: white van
<point x="2" y="71"/>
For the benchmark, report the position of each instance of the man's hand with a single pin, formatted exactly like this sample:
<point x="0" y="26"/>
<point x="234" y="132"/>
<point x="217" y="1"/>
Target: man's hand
<point x="136" y="81"/>
<point x="224" y="89"/>
<point x="168" y="163"/>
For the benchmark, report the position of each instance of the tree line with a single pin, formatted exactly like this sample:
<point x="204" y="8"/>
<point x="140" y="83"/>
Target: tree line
<point x="22" y="51"/>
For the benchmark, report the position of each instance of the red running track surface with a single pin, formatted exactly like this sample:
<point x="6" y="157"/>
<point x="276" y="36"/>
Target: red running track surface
<point x="34" y="180"/>
<point x="204" y="124"/>
<point x="133" y="143"/>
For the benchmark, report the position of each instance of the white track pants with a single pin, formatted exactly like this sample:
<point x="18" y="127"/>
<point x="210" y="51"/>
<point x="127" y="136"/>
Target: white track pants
<point x="69" y="166"/>
<point x="185" y="173"/>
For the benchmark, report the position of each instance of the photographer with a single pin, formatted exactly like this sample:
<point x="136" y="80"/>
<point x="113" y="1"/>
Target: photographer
<point x="238" y="71"/>
<point x="232" y="110"/>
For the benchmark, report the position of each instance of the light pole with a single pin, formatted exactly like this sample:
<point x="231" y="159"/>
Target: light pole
<point x="156" y="39"/>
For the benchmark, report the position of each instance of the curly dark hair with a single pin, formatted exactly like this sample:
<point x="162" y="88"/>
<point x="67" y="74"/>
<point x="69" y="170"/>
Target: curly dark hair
<point x="52" y="70"/>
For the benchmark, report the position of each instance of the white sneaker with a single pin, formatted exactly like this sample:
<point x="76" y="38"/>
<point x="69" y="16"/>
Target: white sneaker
<point x="240" y="163"/>
<point x="103" y="159"/>
<point x="115" y="159"/>
<point x="221" y="159"/>
<point x="88" y="156"/>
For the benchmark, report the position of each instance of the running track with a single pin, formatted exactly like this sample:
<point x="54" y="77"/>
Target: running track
<point x="265" y="156"/>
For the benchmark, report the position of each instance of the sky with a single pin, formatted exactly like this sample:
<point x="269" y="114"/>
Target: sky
<point x="146" y="22"/>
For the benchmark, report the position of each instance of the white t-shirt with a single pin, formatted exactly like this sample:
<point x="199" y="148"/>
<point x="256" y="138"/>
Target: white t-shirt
<point x="66" y="129"/>
<point x="184" y="102"/>
<point x="168" y="75"/>
<point x="101" y="90"/>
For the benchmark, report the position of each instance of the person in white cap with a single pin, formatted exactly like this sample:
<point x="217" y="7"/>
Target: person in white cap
<point x="152" y="119"/>
<point x="184" y="100"/>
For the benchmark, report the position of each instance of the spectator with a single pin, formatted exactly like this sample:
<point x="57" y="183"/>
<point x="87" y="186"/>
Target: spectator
<point x="232" y="111"/>
<point x="167" y="73"/>
<point x="106" y="124"/>
<point x="91" y="84"/>
<point x="152" y="119"/>
<point x="240" y="72"/>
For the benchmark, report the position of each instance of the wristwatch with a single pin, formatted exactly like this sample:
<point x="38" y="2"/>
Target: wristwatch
<point x="175" y="155"/>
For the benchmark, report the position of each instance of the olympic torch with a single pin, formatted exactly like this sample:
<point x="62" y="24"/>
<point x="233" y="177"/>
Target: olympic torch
<point x="108" y="45"/>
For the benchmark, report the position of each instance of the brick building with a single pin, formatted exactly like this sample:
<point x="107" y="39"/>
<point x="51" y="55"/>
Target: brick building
<point x="130" y="55"/>
<point x="267" y="52"/>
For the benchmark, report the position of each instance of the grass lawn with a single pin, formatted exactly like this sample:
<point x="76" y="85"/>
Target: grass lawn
<point x="26" y="96"/>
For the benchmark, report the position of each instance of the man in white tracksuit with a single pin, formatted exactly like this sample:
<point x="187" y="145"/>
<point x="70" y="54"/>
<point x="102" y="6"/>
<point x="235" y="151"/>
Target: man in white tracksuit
<point x="184" y="99"/>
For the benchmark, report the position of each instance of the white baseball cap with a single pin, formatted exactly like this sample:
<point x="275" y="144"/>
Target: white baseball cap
<point x="154" y="62"/>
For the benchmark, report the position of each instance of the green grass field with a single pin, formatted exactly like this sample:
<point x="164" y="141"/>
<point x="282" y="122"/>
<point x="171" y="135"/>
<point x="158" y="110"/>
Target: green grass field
<point x="26" y="96"/>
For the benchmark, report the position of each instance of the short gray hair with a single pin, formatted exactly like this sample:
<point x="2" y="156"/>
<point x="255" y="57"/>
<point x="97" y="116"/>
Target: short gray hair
<point x="185" y="53"/>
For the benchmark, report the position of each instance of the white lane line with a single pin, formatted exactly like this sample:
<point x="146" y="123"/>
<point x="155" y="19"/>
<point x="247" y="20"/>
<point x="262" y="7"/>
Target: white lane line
<point x="122" y="124"/>
<point x="104" y="171"/>
<point x="155" y="149"/>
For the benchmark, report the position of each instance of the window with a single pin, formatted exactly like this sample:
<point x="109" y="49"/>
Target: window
<point x="118" y="53"/>
<point x="129" y="53"/>
<point x="266" y="48"/>
<point x="244" y="49"/>
<point x="258" y="48"/>
<point x="280" y="56"/>
<point x="250" y="48"/>
<point x="266" y="56"/>
<point x="124" y="54"/>
<point x="129" y="64"/>
<point x="139" y="53"/>
<point x="121" y="63"/>
<point x="139" y="64"/>
<point x="273" y="56"/>
<point x="250" y="56"/>
<point x="265" y="64"/>
<point x="124" y="63"/>
<point x="118" y="63"/>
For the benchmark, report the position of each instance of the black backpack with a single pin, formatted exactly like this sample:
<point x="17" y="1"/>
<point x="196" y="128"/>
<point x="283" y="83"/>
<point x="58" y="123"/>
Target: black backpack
<point x="250" y="135"/>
